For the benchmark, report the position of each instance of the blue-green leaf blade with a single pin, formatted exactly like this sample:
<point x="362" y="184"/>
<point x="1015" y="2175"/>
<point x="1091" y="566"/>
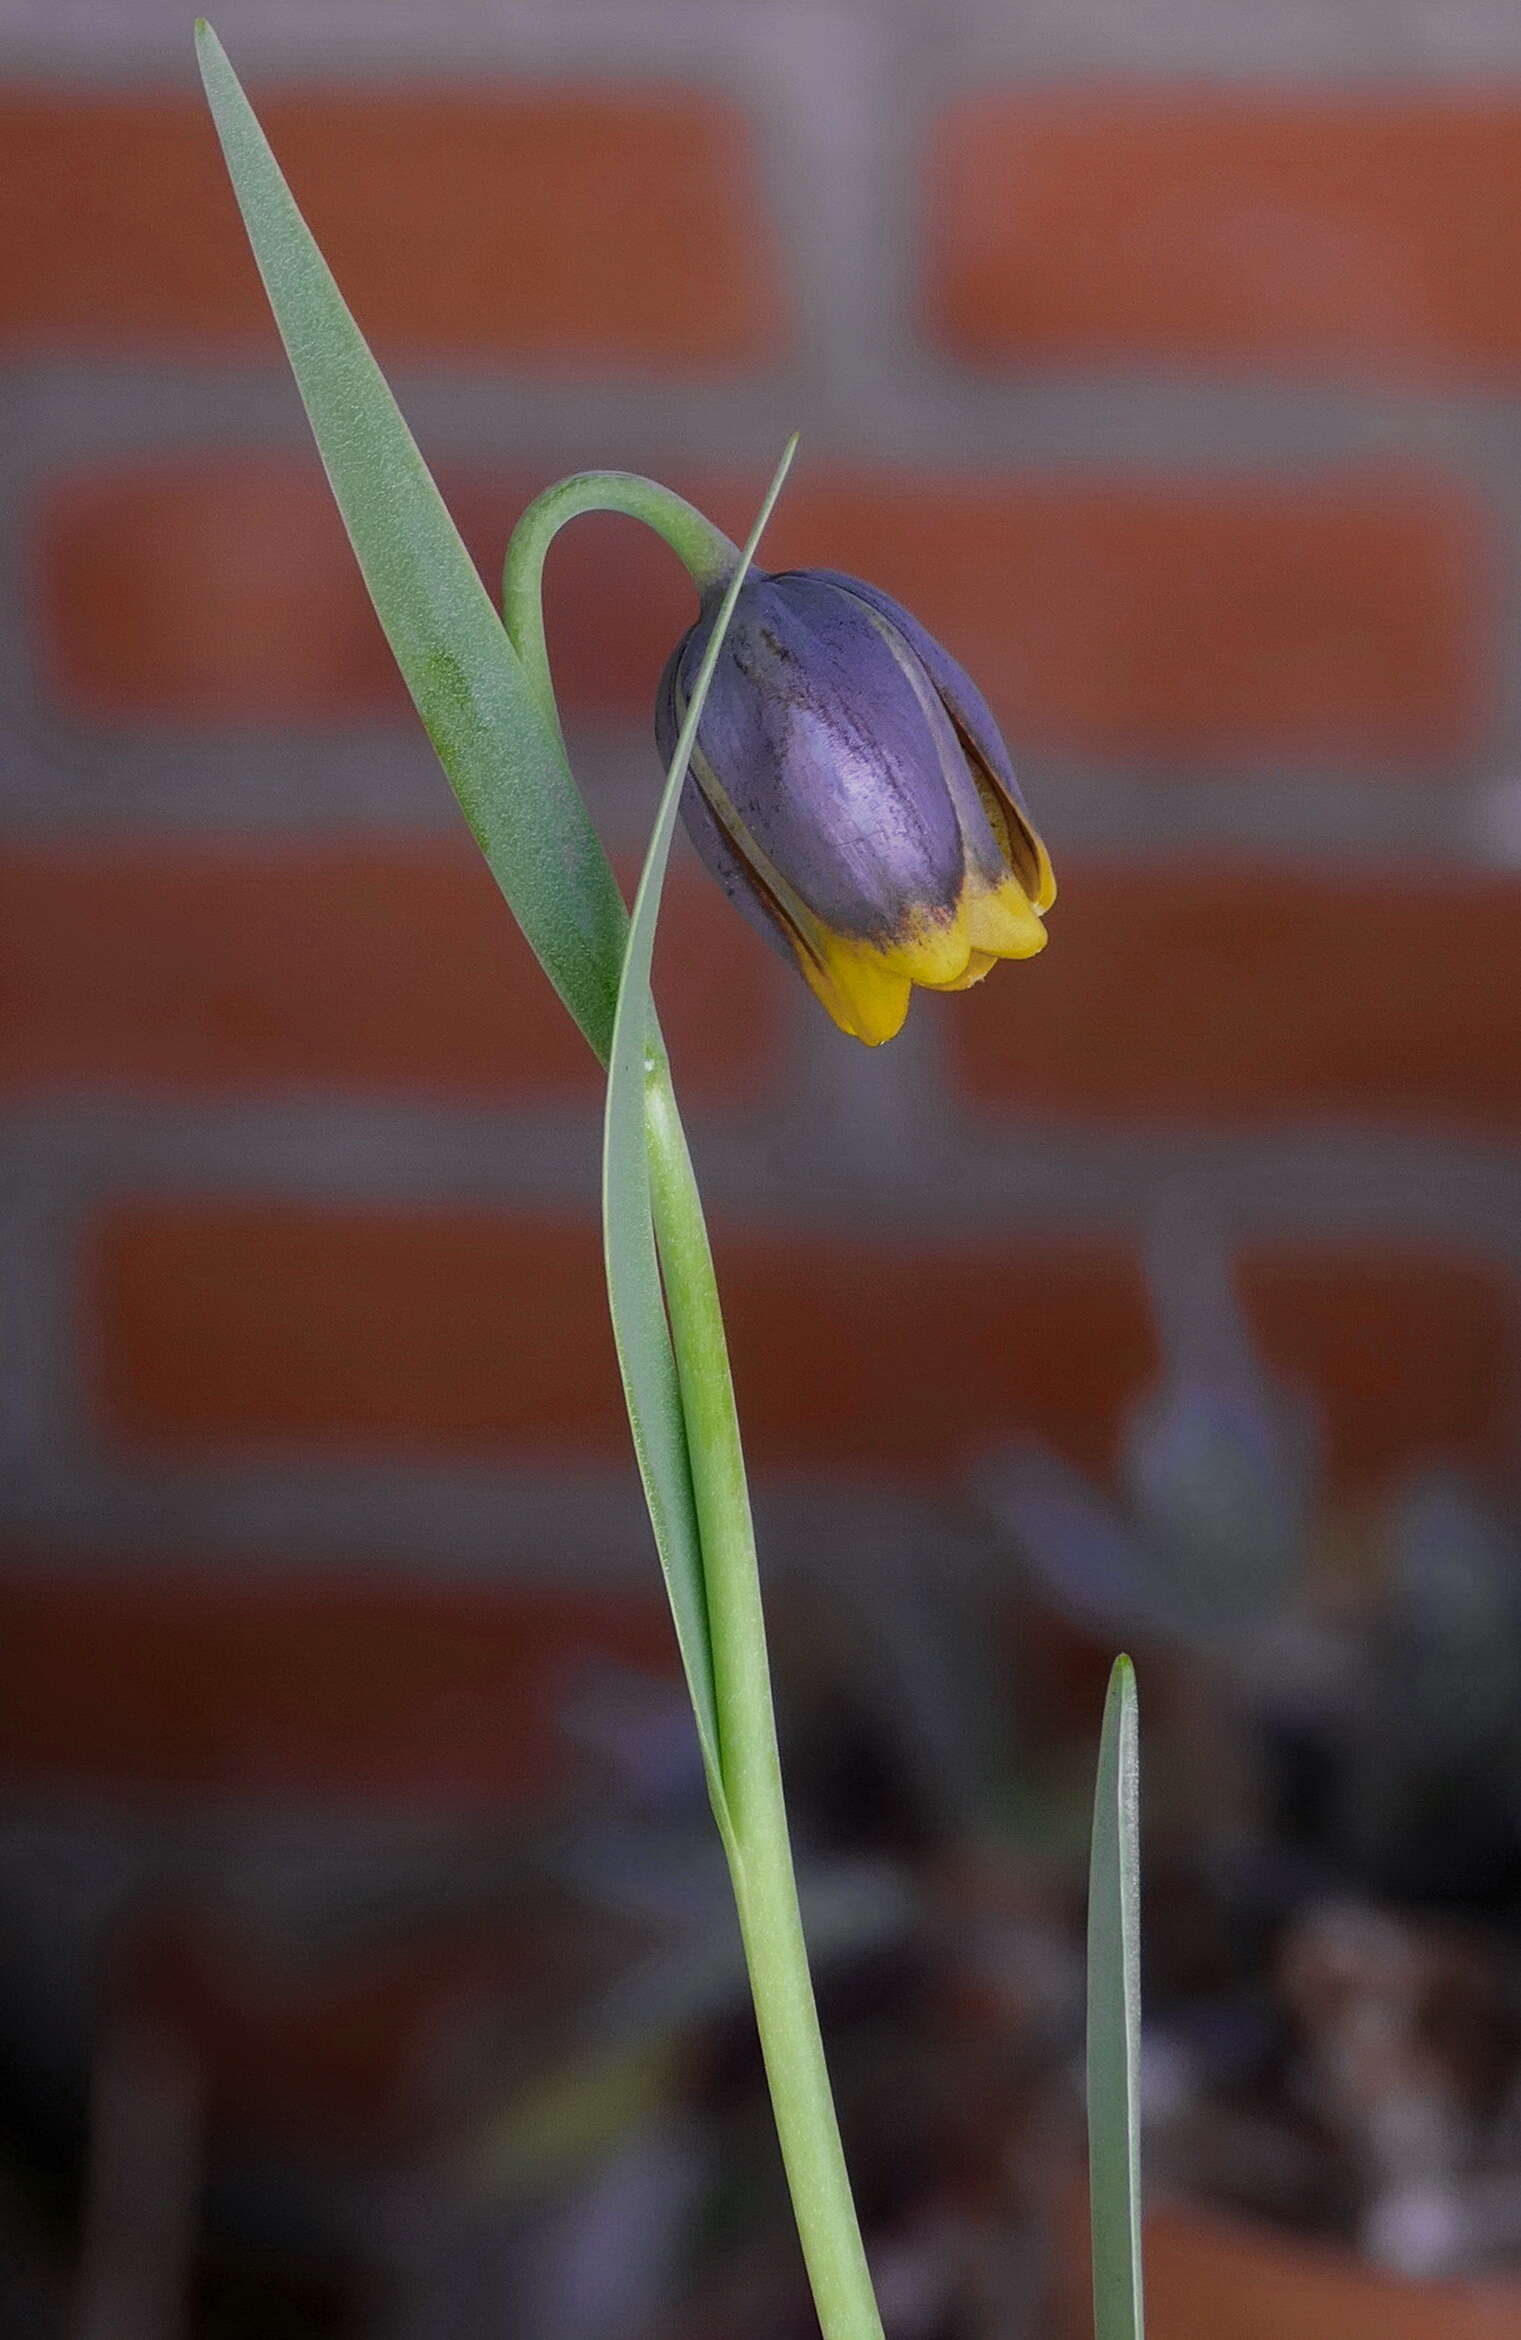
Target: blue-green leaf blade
<point x="640" y="1327"/>
<point x="1114" y="2020"/>
<point x="498" y="744"/>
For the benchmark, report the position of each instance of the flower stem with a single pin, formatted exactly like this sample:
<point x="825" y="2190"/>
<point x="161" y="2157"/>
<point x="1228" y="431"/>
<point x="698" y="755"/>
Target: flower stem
<point x="756" y="1838"/>
<point x="751" y="1810"/>
<point x="707" y="555"/>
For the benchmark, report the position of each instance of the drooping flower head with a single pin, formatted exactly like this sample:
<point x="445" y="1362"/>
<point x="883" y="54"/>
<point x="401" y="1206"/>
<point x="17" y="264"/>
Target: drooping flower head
<point x="851" y="793"/>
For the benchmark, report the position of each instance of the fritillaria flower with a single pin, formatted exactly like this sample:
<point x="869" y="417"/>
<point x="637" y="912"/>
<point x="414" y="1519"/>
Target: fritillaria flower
<point x="851" y="793"/>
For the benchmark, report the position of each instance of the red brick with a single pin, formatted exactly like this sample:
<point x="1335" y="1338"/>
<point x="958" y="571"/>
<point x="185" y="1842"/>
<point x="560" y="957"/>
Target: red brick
<point x="355" y="964"/>
<point x="349" y="2046"/>
<point x="579" y="226"/>
<point x="194" y="1682"/>
<point x="222" y="588"/>
<point x="1346" y="612"/>
<point x="1248" y="994"/>
<point x="1412" y="1352"/>
<point x="227" y="1328"/>
<point x="378" y="2036"/>
<point x="1321" y="232"/>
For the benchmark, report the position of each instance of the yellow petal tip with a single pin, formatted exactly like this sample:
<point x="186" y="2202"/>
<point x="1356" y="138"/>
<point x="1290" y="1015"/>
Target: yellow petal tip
<point x="1002" y="922"/>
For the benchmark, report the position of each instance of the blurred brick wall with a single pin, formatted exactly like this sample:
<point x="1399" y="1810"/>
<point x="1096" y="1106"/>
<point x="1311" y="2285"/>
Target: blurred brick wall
<point x="1170" y="366"/>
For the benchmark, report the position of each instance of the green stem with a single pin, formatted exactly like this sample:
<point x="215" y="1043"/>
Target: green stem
<point x="756" y="1839"/>
<point x="707" y="555"/>
<point x="752" y="1811"/>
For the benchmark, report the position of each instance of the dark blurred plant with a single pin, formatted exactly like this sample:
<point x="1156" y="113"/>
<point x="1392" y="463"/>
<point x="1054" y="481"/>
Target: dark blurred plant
<point x="1338" y="1771"/>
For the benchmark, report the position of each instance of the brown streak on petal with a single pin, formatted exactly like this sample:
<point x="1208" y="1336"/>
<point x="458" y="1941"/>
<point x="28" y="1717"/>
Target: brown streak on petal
<point x="1008" y="821"/>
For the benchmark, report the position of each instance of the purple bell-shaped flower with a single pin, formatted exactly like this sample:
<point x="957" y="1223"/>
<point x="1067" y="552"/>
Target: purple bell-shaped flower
<point x="851" y="793"/>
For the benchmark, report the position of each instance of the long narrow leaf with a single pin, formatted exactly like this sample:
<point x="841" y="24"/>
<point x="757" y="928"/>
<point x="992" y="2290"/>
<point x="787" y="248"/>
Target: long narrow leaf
<point x="640" y="1328"/>
<point x="1114" y="2021"/>
<point x="494" y="740"/>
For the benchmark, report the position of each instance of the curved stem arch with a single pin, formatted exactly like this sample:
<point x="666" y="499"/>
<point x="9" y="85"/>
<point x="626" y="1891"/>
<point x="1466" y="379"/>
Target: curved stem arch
<point x="708" y="556"/>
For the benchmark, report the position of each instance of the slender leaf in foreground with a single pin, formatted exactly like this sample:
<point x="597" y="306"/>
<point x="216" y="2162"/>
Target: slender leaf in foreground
<point x="1114" y="2021"/>
<point x="640" y="1327"/>
<point x="497" y="743"/>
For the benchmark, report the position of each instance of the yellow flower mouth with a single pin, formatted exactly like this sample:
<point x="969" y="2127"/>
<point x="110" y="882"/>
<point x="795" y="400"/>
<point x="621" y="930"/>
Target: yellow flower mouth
<point x="865" y="986"/>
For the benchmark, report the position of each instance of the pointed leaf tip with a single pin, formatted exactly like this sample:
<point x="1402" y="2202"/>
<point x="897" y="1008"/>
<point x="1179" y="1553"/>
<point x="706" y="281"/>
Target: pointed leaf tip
<point x="1114" y="2021"/>
<point x="500" y="751"/>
